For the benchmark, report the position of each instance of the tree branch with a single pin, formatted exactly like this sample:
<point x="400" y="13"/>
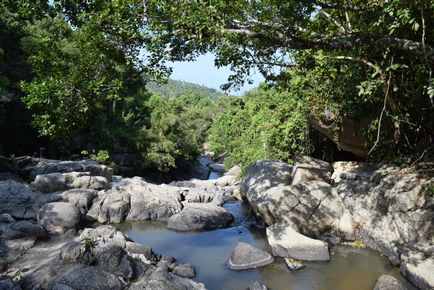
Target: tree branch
<point x="350" y="40"/>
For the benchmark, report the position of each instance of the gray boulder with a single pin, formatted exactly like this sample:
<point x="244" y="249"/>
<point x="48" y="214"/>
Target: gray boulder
<point x="153" y="202"/>
<point x="389" y="203"/>
<point x="213" y="195"/>
<point x="161" y="279"/>
<point x="135" y="199"/>
<point x="111" y="206"/>
<point x="59" y="216"/>
<point x="18" y="199"/>
<point x="21" y="229"/>
<point x="313" y="208"/>
<point x="200" y="216"/>
<point x="114" y="259"/>
<point x="76" y="252"/>
<point x="49" y="182"/>
<point x="386" y="282"/>
<point x="286" y="242"/>
<point x="184" y="270"/>
<point x="81" y="198"/>
<point x="105" y="236"/>
<point x="141" y="252"/>
<point x="86" y="180"/>
<point x="86" y="277"/>
<point x="38" y="166"/>
<point x="245" y="256"/>
<point x="53" y="182"/>
<point x="418" y="268"/>
<point x="262" y="175"/>
<point x="307" y="168"/>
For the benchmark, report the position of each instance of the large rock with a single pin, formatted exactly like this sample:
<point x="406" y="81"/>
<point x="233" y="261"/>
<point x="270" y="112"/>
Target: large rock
<point x="213" y="195"/>
<point x="184" y="270"/>
<point x="153" y="202"/>
<point x="38" y="166"/>
<point x="59" y="216"/>
<point x="210" y="184"/>
<point x="86" y="277"/>
<point x="262" y="175"/>
<point x="200" y="216"/>
<point x="161" y="279"/>
<point x="386" y="282"/>
<point x="307" y="168"/>
<point x="21" y="229"/>
<point x="81" y="198"/>
<point x="418" y="268"/>
<point x="110" y="207"/>
<point x="52" y="182"/>
<point x="49" y="182"/>
<point x="135" y="199"/>
<point x="286" y="242"/>
<point x="18" y="199"/>
<point x="114" y="259"/>
<point x="388" y="203"/>
<point x="245" y="256"/>
<point x="313" y="208"/>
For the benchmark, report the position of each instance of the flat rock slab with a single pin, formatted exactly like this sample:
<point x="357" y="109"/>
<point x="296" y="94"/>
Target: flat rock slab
<point x="245" y="256"/>
<point x="200" y="216"/>
<point x="286" y="242"/>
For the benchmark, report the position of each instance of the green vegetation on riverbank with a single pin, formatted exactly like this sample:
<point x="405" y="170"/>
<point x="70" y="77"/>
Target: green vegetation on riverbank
<point x="349" y="81"/>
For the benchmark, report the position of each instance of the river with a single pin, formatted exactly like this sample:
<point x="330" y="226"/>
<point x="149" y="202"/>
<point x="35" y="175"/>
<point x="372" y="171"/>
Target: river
<point x="349" y="269"/>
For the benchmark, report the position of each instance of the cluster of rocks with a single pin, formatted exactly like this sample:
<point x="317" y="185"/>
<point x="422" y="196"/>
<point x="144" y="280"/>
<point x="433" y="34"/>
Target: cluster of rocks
<point x="312" y="204"/>
<point x="99" y="258"/>
<point x="304" y="207"/>
<point x="39" y="222"/>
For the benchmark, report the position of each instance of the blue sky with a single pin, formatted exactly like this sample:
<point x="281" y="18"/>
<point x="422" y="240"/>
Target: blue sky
<point x="203" y="72"/>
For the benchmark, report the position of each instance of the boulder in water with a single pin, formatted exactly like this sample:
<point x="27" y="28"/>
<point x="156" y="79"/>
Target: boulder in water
<point x="245" y="256"/>
<point x="184" y="270"/>
<point x="286" y="242"/>
<point x="386" y="282"/>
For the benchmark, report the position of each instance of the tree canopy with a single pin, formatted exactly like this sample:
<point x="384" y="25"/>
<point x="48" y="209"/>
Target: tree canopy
<point x="358" y="72"/>
<point x="375" y="55"/>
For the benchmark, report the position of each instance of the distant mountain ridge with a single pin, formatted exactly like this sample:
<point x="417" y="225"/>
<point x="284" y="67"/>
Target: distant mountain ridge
<point x="174" y="89"/>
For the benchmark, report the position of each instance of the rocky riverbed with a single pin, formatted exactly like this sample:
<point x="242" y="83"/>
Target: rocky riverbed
<point x="54" y="232"/>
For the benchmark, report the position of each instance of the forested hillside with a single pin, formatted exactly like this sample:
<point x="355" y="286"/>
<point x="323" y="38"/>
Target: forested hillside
<point x="174" y="89"/>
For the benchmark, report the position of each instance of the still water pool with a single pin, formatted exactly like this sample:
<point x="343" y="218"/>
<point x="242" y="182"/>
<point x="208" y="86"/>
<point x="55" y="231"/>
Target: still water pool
<point x="349" y="268"/>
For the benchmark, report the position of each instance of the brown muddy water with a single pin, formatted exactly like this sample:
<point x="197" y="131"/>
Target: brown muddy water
<point x="349" y="268"/>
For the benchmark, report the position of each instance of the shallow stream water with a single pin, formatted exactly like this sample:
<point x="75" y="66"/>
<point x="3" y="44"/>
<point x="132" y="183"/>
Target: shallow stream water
<point x="349" y="268"/>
